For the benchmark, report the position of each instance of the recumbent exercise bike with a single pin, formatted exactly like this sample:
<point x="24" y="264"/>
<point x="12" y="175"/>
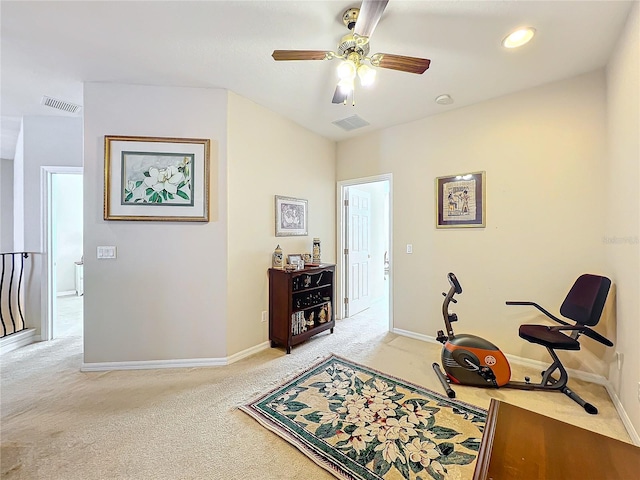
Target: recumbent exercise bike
<point x="472" y="360"/>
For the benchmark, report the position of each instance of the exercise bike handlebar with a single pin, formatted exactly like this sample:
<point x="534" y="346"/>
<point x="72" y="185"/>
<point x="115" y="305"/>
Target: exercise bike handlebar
<point x="580" y="328"/>
<point x="453" y="281"/>
<point x="533" y="304"/>
<point x="455" y="288"/>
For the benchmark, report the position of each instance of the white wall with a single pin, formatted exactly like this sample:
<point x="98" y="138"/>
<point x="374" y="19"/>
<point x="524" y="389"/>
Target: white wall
<point x="165" y="296"/>
<point x="543" y="151"/>
<point x="18" y="192"/>
<point x="43" y="141"/>
<point x="6" y="205"/>
<point x="67" y="194"/>
<point x="269" y="155"/>
<point x="622" y="235"/>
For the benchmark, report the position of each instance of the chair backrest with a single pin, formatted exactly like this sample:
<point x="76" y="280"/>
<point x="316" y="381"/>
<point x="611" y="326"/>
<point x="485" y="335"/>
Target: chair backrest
<point x="585" y="301"/>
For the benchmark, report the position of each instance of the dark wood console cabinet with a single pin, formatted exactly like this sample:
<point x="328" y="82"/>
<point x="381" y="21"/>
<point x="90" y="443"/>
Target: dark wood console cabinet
<point x="301" y="304"/>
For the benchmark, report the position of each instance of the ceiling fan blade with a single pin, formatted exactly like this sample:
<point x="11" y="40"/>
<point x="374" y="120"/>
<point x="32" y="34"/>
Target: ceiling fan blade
<point x="369" y="16"/>
<point x="300" y="55"/>
<point x="339" y="96"/>
<point x="400" y="62"/>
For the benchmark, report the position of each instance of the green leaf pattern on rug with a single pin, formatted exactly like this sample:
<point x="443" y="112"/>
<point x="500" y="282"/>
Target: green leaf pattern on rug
<point x="380" y="424"/>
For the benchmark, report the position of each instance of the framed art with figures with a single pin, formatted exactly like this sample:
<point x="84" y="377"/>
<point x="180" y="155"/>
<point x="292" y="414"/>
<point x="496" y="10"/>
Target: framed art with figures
<point x="460" y="201"/>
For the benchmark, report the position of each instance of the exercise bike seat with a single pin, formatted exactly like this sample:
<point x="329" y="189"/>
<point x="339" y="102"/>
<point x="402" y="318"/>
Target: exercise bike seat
<point x="546" y="336"/>
<point x="584" y="304"/>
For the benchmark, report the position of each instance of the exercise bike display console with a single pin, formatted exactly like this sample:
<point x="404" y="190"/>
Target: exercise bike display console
<point x="472" y="360"/>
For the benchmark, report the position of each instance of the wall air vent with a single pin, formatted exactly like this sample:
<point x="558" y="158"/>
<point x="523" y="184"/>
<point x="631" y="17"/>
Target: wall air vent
<point x="60" y="104"/>
<point x="351" y="123"/>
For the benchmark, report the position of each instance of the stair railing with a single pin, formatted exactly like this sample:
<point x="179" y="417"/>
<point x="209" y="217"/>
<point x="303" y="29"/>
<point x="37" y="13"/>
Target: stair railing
<point x="11" y="294"/>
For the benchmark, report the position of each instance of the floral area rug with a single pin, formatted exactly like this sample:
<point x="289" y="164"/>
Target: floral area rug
<point x="359" y="423"/>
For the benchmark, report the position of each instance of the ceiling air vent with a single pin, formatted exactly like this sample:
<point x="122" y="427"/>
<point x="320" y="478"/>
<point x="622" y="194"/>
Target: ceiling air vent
<point x="351" y="123"/>
<point x="60" y="104"/>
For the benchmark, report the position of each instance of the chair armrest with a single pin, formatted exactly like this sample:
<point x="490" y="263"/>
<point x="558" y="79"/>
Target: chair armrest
<point x="588" y="332"/>
<point x="533" y="304"/>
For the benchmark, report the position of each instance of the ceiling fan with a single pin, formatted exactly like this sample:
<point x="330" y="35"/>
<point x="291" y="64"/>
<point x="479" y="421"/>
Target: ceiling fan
<point x="353" y="50"/>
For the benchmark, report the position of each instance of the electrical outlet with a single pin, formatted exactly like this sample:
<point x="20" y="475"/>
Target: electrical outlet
<point x="264" y="316"/>
<point x="409" y="248"/>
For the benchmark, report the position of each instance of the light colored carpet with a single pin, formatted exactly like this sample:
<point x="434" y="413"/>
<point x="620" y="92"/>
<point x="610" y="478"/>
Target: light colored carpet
<point x="59" y="423"/>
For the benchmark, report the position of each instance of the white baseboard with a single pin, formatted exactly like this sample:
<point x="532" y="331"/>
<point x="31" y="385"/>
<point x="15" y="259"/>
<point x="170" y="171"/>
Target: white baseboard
<point x="17" y="340"/>
<point x="417" y="336"/>
<point x="153" y="364"/>
<point x="248" y="352"/>
<point x="179" y="363"/>
<point x="635" y="438"/>
<point x="578" y="374"/>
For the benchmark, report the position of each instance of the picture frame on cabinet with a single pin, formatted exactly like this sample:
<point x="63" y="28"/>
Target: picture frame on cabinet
<point x="156" y="178"/>
<point x="461" y="200"/>
<point x="295" y="259"/>
<point x="291" y="216"/>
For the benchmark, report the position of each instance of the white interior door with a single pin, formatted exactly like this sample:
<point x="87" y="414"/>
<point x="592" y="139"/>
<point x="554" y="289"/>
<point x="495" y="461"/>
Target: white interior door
<point x="359" y="272"/>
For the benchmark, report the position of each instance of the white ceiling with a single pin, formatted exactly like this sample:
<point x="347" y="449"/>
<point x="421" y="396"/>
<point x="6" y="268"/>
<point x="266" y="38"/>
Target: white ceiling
<point x="51" y="48"/>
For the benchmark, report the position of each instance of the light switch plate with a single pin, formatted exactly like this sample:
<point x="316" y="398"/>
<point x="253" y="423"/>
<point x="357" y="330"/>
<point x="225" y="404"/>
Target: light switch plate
<point x="107" y="252"/>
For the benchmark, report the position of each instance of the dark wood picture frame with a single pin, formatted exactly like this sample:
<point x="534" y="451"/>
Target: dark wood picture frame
<point x="461" y="200"/>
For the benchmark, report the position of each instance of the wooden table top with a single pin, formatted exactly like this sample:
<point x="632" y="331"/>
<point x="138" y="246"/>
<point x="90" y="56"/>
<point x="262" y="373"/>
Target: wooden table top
<point x="520" y="444"/>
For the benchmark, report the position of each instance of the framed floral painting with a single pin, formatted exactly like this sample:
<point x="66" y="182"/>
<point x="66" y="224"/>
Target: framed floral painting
<point x="460" y="200"/>
<point x="156" y="178"/>
<point x="291" y="216"/>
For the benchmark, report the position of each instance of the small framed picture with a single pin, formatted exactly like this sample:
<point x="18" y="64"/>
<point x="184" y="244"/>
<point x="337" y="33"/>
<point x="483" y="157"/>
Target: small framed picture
<point x="294" y="259"/>
<point x="291" y="216"/>
<point x="460" y="200"/>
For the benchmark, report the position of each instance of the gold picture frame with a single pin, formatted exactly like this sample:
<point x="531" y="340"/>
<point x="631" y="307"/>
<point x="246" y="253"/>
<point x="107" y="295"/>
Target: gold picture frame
<point x="461" y="200"/>
<point x="156" y="178"/>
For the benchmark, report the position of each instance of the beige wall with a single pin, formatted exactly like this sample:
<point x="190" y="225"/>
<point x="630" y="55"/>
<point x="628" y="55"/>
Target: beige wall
<point x="165" y="296"/>
<point x="269" y="155"/>
<point x="622" y="241"/>
<point x="543" y="151"/>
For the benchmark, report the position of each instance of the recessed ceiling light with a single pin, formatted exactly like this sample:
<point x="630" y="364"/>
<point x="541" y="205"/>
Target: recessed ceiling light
<point x="444" y="99"/>
<point x="519" y="37"/>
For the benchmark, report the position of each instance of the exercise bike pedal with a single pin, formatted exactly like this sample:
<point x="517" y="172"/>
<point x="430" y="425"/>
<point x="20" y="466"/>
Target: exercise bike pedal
<point x="442" y="338"/>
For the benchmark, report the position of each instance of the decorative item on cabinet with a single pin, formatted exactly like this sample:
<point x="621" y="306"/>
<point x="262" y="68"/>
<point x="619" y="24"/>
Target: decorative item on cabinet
<point x="277" y="258"/>
<point x="316" y="250"/>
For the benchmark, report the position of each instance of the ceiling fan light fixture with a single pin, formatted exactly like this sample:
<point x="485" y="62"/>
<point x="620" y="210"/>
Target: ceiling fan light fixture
<point x="347" y="70"/>
<point x="519" y="37"/>
<point x="346" y="85"/>
<point x="366" y="74"/>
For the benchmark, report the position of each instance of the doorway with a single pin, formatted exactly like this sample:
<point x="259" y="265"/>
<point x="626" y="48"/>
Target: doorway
<point x="365" y="246"/>
<point x="63" y="229"/>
